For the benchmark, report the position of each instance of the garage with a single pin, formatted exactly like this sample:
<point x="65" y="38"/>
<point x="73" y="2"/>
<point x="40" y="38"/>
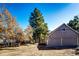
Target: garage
<point x="63" y="36"/>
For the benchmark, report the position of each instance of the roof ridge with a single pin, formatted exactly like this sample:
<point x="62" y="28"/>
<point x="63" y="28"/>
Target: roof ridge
<point x="72" y="29"/>
<point x="65" y="25"/>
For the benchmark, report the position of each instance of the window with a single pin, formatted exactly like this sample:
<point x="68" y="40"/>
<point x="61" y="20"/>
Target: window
<point x="63" y="29"/>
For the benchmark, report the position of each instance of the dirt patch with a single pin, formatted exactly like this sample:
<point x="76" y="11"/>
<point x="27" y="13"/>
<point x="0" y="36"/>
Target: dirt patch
<point x="32" y="50"/>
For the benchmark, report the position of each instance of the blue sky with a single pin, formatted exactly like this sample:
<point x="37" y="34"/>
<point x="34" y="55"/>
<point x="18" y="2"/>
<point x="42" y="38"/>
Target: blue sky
<point x="54" y="14"/>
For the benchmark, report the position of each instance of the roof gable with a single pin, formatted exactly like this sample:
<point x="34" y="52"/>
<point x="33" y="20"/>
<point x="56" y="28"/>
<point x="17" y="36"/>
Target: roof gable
<point x="63" y="25"/>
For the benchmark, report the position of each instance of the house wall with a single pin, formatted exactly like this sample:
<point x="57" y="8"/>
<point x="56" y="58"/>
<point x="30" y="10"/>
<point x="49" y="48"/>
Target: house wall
<point x="69" y="37"/>
<point x="62" y="37"/>
<point x="54" y="39"/>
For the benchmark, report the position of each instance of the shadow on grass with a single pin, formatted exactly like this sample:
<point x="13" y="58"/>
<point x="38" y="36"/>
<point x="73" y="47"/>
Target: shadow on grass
<point x="44" y="47"/>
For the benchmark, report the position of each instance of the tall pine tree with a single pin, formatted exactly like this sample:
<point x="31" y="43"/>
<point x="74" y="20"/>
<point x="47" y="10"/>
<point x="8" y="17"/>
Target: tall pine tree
<point x="39" y="26"/>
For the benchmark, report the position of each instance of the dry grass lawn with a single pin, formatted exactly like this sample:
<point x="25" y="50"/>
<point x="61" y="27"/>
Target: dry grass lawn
<point x="32" y="50"/>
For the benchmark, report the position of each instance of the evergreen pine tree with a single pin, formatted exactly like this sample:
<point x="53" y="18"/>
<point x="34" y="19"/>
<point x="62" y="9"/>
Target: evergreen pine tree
<point x="40" y="28"/>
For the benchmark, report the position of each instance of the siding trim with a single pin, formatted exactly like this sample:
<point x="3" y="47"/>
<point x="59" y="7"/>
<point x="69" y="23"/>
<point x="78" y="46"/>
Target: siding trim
<point x="61" y="39"/>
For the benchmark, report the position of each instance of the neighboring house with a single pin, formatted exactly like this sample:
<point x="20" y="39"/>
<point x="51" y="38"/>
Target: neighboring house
<point x="63" y="36"/>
